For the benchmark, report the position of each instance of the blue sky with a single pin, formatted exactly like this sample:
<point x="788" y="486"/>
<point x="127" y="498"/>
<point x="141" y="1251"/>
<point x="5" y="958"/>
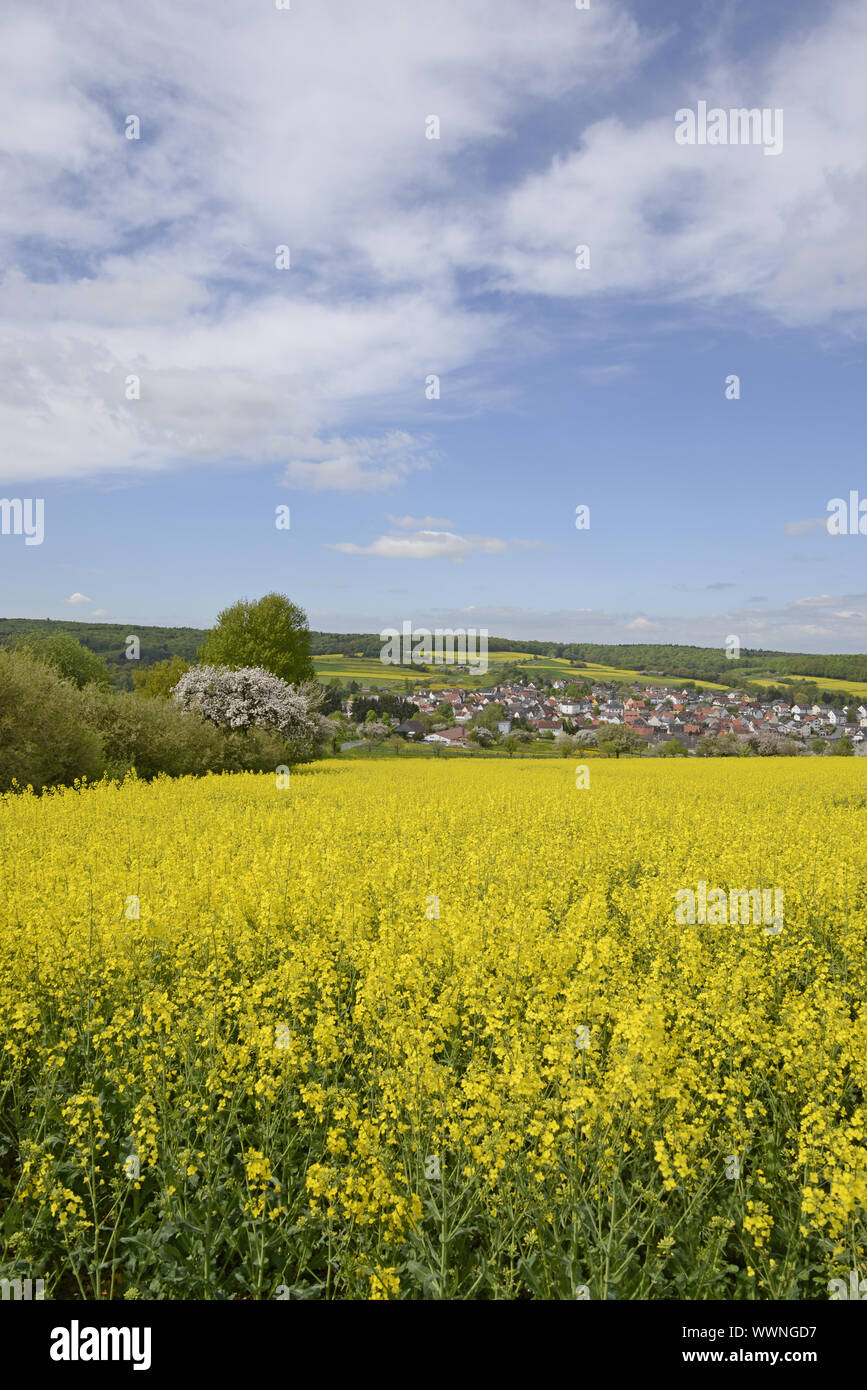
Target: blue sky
<point x="305" y="386"/>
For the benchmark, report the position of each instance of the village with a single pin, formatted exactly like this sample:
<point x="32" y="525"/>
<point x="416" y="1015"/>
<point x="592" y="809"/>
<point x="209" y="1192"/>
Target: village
<point x="655" y="715"/>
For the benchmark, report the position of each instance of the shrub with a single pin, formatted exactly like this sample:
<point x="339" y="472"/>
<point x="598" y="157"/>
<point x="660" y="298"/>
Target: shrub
<point x="44" y="739"/>
<point x="843" y="749"/>
<point x="152" y="736"/>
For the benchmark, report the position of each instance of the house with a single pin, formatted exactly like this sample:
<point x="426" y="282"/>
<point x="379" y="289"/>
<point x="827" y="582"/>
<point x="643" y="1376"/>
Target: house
<point x="553" y="726"/>
<point x="455" y="738"/>
<point x="410" y="729"/>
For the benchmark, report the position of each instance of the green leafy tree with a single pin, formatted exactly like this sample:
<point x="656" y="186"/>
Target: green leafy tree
<point x="672" y="748"/>
<point x="332" y="701"/>
<point x="618" y="739"/>
<point x="490" y="716"/>
<point x="271" y="633"/>
<point x="71" y="660"/>
<point x="727" y="746"/>
<point x="158" y="681"/>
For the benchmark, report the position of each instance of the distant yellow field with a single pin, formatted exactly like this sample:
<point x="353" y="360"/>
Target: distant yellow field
<point x="601" y="673"/>
<point x="858" y="688"/>
<point x="370" y="671"/>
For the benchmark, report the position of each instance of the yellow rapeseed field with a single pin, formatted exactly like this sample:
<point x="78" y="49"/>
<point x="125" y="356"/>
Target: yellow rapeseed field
<point x="431" y="1029"/>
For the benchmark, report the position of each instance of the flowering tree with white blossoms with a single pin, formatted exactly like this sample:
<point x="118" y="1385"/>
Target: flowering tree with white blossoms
<point x="253" y="697"/>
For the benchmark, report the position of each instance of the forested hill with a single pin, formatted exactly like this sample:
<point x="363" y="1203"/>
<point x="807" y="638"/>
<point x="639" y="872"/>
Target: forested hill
<point x="108" y="640"/>
<point x="688" y="663"/>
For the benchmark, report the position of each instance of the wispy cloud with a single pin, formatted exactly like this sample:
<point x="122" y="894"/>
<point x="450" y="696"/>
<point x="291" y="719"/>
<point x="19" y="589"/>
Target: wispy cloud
<point x="166" y="268"/>
<point x="817" y="623"/>
<point x="435" y="545"/>
<point x="802" y="528"/>
<point x="412" y="523"/>
<point x="358" y="465"/>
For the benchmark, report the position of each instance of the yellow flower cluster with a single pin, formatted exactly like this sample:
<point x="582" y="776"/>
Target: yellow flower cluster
<point x="413" y="1027"/>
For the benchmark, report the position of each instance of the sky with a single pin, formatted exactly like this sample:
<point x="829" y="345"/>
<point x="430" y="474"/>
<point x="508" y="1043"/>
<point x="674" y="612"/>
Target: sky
<point x="170" y="377"/>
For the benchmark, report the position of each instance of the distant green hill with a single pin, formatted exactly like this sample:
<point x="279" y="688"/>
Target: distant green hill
<point x="646" y="659"/>
<point x="108" y="640"/>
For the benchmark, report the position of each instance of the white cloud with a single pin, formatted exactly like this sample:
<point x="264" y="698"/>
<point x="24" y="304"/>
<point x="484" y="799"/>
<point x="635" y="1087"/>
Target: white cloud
<point x="357" y="465"/>
<point x="782" y="629"/>
<point x="435" y="545"/>
<point x="413" y="523"/>
<point x="259" y="127"/>
<point x="77" y="598"/>
<point x="824" y="600"/>
<point x="710" y="224"/>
